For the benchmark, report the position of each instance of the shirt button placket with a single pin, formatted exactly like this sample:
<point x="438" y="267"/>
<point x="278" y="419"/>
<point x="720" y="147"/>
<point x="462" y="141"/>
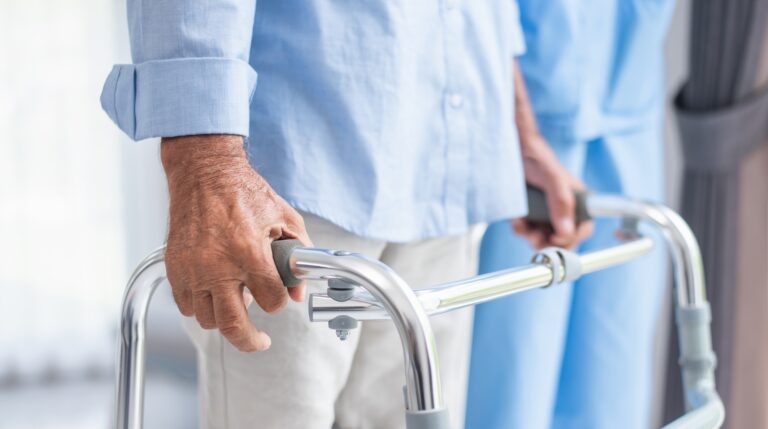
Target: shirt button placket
<point x="456" y="153"/>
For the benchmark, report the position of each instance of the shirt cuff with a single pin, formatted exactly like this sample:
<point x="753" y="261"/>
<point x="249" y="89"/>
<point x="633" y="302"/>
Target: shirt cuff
<point x="177" y="97"/>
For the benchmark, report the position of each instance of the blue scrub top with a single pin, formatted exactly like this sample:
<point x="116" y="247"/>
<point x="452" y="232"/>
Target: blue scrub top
<point x="594" y="67"/>
<point x="555" y="359"/>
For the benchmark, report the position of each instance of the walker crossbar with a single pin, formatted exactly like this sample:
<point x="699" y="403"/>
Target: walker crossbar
<point x="387" y="296"/>
<point x="454" y="295"/>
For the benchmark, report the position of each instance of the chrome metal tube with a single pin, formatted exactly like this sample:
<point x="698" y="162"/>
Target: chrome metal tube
<point x="130" y="377"/>
<point x="453" y="295"/>
<point x="705" y="409"/>
<point x="688" y="267"/>
<point x="422" y="380"/>
<point x="615" y="255"/>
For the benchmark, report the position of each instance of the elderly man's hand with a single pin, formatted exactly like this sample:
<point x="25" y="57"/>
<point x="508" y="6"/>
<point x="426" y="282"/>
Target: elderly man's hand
<point x="543" y="170"/>
<point x="223" y="218"/>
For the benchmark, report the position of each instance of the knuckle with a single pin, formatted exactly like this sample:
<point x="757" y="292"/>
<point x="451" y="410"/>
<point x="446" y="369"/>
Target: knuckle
<point x="231" y="329"/>
<point x="246" y="248"/>
<point x="201" y="294"/>
<point x="564" y="199"/>
<point x="205" y="323"/>
<point x="185" y="307"/>
<point x="300" y="221"/>
<point x="295" y="218"/>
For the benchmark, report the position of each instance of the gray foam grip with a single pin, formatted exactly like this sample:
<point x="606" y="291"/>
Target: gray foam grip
<point x="538" y="211"/>
<point x="281" y="253"/>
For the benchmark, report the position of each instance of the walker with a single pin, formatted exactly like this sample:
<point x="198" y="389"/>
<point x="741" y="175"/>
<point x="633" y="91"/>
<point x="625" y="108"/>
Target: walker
<point x="363" y="289"/>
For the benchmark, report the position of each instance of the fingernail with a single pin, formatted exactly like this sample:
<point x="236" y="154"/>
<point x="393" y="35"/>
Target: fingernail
<point x="566" y="226"/>
<point x="267" y="343"/>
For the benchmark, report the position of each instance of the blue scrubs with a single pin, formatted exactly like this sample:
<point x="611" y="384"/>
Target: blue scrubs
<point x="580" y="355"/>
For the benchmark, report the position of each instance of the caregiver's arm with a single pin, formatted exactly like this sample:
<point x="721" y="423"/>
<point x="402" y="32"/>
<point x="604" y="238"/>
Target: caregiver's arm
<point x="543" y="170"/>
<point x="190" y="83"/>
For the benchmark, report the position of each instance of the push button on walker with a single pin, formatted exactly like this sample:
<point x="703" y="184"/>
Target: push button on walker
<point x="340" y="290"/>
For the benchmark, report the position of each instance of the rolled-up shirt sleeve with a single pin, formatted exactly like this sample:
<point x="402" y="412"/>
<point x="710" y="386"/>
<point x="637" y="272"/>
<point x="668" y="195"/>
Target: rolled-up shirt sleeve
<point x="190" y="73"/>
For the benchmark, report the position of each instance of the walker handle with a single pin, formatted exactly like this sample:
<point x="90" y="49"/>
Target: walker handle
<point x="539" y="212"/>
<point x="281" y="253"/>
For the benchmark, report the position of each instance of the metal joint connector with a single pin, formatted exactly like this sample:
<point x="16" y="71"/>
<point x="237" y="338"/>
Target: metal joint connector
<point x="564" y="264"/>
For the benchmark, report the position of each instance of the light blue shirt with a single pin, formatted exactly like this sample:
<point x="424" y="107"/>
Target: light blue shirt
<point x="392" y="119"/>
<point x="591" y="74"/>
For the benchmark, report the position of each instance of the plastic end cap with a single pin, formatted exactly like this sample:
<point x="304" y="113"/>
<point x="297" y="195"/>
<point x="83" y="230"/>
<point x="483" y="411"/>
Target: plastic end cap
<point x="281" y="253"/>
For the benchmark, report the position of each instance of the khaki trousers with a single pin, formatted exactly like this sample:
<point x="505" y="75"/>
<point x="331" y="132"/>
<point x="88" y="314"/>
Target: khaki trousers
<point x="309" y="379"/>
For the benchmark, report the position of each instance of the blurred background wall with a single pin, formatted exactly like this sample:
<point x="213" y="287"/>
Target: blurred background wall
<point x="80" y="205"/>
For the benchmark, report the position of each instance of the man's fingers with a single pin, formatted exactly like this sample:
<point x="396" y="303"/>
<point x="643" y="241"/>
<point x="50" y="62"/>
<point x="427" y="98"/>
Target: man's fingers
<point x="203" y="305"/>
<point x="538" y="239"/>
<point x="297" y="293"/>
<point x="261" y="278"/>
<point x="296" y="224"/>
<point x="535" y="235"/>
<point x="520" y="226"/>
<point x="296" y="227"/>
<point x="268" y="291"/>
<point x="562" y="208"/>
<point x="233" y="322"/>
<point x="179" y="288"/>
<point x="183" y="300"/>
<point x="264" y="282"/>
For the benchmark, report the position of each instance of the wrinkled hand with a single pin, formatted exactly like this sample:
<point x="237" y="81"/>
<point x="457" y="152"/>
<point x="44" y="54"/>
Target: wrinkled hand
<point x="223" y="218"/>
<point x="543" y="170"/>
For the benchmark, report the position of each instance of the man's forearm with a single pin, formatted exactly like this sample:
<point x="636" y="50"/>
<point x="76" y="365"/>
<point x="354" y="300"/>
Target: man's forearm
<point x="179" y="153"/>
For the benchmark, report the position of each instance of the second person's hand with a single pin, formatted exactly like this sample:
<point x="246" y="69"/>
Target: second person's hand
<point x="543" y="170"/>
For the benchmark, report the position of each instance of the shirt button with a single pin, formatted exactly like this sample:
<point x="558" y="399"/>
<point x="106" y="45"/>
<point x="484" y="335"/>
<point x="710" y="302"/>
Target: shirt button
<point x="451" y="4"/>
<point x="456" y="100"/>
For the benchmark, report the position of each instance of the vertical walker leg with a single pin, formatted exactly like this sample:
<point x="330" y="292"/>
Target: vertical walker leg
<point x="130" y="383"/>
